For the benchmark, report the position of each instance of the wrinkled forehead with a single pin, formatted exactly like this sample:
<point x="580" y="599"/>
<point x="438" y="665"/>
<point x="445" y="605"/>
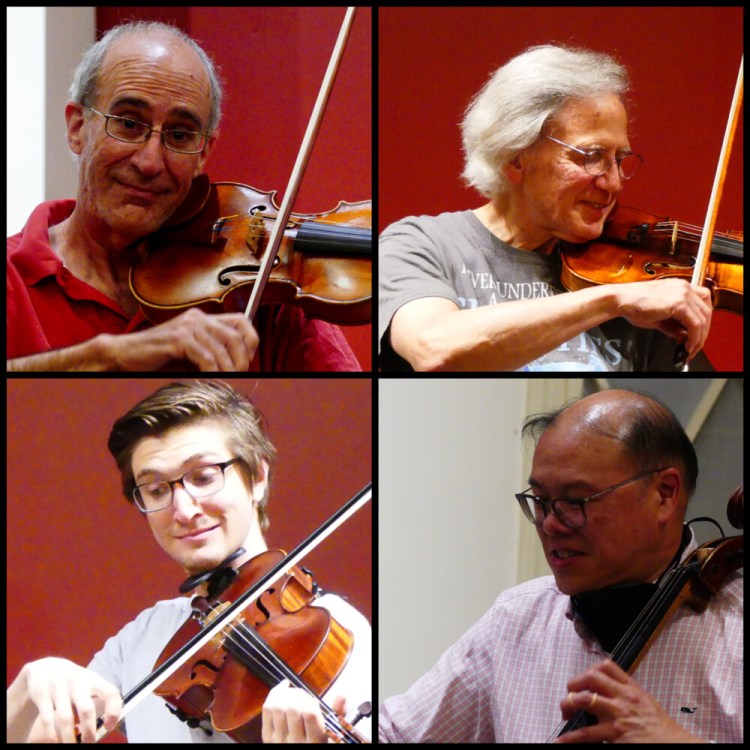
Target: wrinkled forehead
<point x="157" y="68"/>
<point x="591" y="120"/>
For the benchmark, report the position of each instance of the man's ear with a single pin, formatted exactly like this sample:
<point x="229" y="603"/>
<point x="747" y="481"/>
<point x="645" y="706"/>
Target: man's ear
<point x="260" y="487"/>
<point x="75" y="119"/>
<point x="203" y="156"/>
<point x="670" y="494"/>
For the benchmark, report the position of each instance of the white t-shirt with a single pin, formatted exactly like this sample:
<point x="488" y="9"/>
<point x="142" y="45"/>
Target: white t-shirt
<point x="129" y="657"/>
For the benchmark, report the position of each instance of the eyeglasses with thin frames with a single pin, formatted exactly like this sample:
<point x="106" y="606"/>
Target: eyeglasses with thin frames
<point x="571" y="512"/>
<point x="128" y="130"/>
<point x="597" y="162"/>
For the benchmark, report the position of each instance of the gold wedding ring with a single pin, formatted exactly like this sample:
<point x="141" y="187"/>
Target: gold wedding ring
<point x="594" y="696"/>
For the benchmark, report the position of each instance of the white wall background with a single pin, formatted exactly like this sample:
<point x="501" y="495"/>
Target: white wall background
<point x="448" y="531"/>
<point x="44" y="47"/>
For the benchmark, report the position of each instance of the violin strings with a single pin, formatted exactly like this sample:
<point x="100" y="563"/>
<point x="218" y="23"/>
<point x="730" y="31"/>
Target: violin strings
<point x="273" y="661"/>
<point x="250" y="646"/>
<point x="222" y="221"/>
<point x="622" y="652"/>
<point x="686" y="230"/>
<point x="337" y="229"/>
<point x="301" y="220"/>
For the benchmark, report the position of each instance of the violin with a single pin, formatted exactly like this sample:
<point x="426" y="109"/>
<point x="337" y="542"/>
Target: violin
<point x="693" y="583"/>
<point x="638" y="246"/>
<point x="280" y="636"/>
<point x="209" y="254"/>
<point x="225" y="630"/>
<point x="217" y="247"/>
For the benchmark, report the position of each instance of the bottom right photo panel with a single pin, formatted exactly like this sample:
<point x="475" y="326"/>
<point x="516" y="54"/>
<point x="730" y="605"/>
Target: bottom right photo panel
<point x="560" y="560"/>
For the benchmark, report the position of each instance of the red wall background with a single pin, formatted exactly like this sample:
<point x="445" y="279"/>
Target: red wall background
<point x="683" y="64"/>
<point x="272" y="62"/>
<point x="82" y="561"/>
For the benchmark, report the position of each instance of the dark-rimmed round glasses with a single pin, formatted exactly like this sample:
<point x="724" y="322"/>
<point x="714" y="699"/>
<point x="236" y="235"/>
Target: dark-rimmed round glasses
<point x="571" y="512"/>
<point x="132" y="131"/>
<point x="198" y="483"/>
<point x="598" y="162"/>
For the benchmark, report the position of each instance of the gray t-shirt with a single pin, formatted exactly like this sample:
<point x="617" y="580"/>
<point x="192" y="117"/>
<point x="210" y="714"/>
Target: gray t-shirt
<point x="455" y="256"/>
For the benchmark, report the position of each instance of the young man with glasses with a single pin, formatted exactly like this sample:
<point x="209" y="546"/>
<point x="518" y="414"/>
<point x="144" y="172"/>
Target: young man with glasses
<point x="142" y="121"/>
<point x="195" y="461"/>
<point x="546" y="141"/>
<point x="610" y="481"/>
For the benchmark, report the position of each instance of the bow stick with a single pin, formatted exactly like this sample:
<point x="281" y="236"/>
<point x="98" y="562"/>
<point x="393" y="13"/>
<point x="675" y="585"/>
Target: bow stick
<point x="704" y="248"/>
<point x="277" y="233"/>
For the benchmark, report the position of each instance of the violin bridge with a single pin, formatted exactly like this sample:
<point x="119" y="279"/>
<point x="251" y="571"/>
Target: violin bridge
<point x="256" y="231"/>
<point x="673" y="251"/>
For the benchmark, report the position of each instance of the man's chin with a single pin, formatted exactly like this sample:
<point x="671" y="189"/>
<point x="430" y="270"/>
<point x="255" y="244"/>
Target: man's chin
<point x="138" y="221"/>
<point x="582" y="234"/>
<point x="201" y="562"/>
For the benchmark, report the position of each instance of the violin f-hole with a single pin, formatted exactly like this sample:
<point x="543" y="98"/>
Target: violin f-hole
<point x="652" y="266"/>
<point x="206" y="664"/>
<point x="261" y="606"/>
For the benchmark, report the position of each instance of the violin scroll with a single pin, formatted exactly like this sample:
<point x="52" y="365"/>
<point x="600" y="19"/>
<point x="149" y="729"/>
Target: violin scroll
<point x="717" y="560"/>
<point x="736" y="507"/>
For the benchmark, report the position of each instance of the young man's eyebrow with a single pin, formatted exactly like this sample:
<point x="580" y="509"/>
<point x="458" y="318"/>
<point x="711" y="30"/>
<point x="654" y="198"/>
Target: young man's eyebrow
<point x="150" y="471"/>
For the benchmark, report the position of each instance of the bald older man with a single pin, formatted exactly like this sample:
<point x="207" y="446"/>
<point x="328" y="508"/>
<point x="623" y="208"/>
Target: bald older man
<point x="610" y="480"/>
<point x="142" y="121"/>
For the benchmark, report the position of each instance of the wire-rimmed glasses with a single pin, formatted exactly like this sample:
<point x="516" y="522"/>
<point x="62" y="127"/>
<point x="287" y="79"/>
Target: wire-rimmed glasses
<point x="127" y="129"/>
<point x="597" y="162"/>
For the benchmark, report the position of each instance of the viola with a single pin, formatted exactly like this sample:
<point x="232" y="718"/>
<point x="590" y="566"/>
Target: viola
<point x="638" y="246"/>
<point x="280" y="636"/>
<point x="693" y="583"/>
<point x="210" y="252"/>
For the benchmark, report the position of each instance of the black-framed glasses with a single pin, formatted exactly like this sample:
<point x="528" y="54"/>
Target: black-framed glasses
<point x="571" y="512"/>
<point x="198" y="483"/>
<point x="598" y="162"/>
<point x="132" y="131"/>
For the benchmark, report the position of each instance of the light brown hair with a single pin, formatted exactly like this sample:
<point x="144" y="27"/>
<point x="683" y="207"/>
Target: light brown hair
<point x="180" y="404"/>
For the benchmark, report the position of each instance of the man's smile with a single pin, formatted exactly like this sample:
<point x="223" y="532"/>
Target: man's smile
<point x="198" y="533"/>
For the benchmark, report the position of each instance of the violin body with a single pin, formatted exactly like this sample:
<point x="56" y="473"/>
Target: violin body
<point x="638" y="246"/>
<point x="209" y="253"/>
<point x="229" y="678"/>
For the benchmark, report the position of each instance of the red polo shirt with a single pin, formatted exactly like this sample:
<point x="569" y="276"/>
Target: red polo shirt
<point x="49" y="308"/>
